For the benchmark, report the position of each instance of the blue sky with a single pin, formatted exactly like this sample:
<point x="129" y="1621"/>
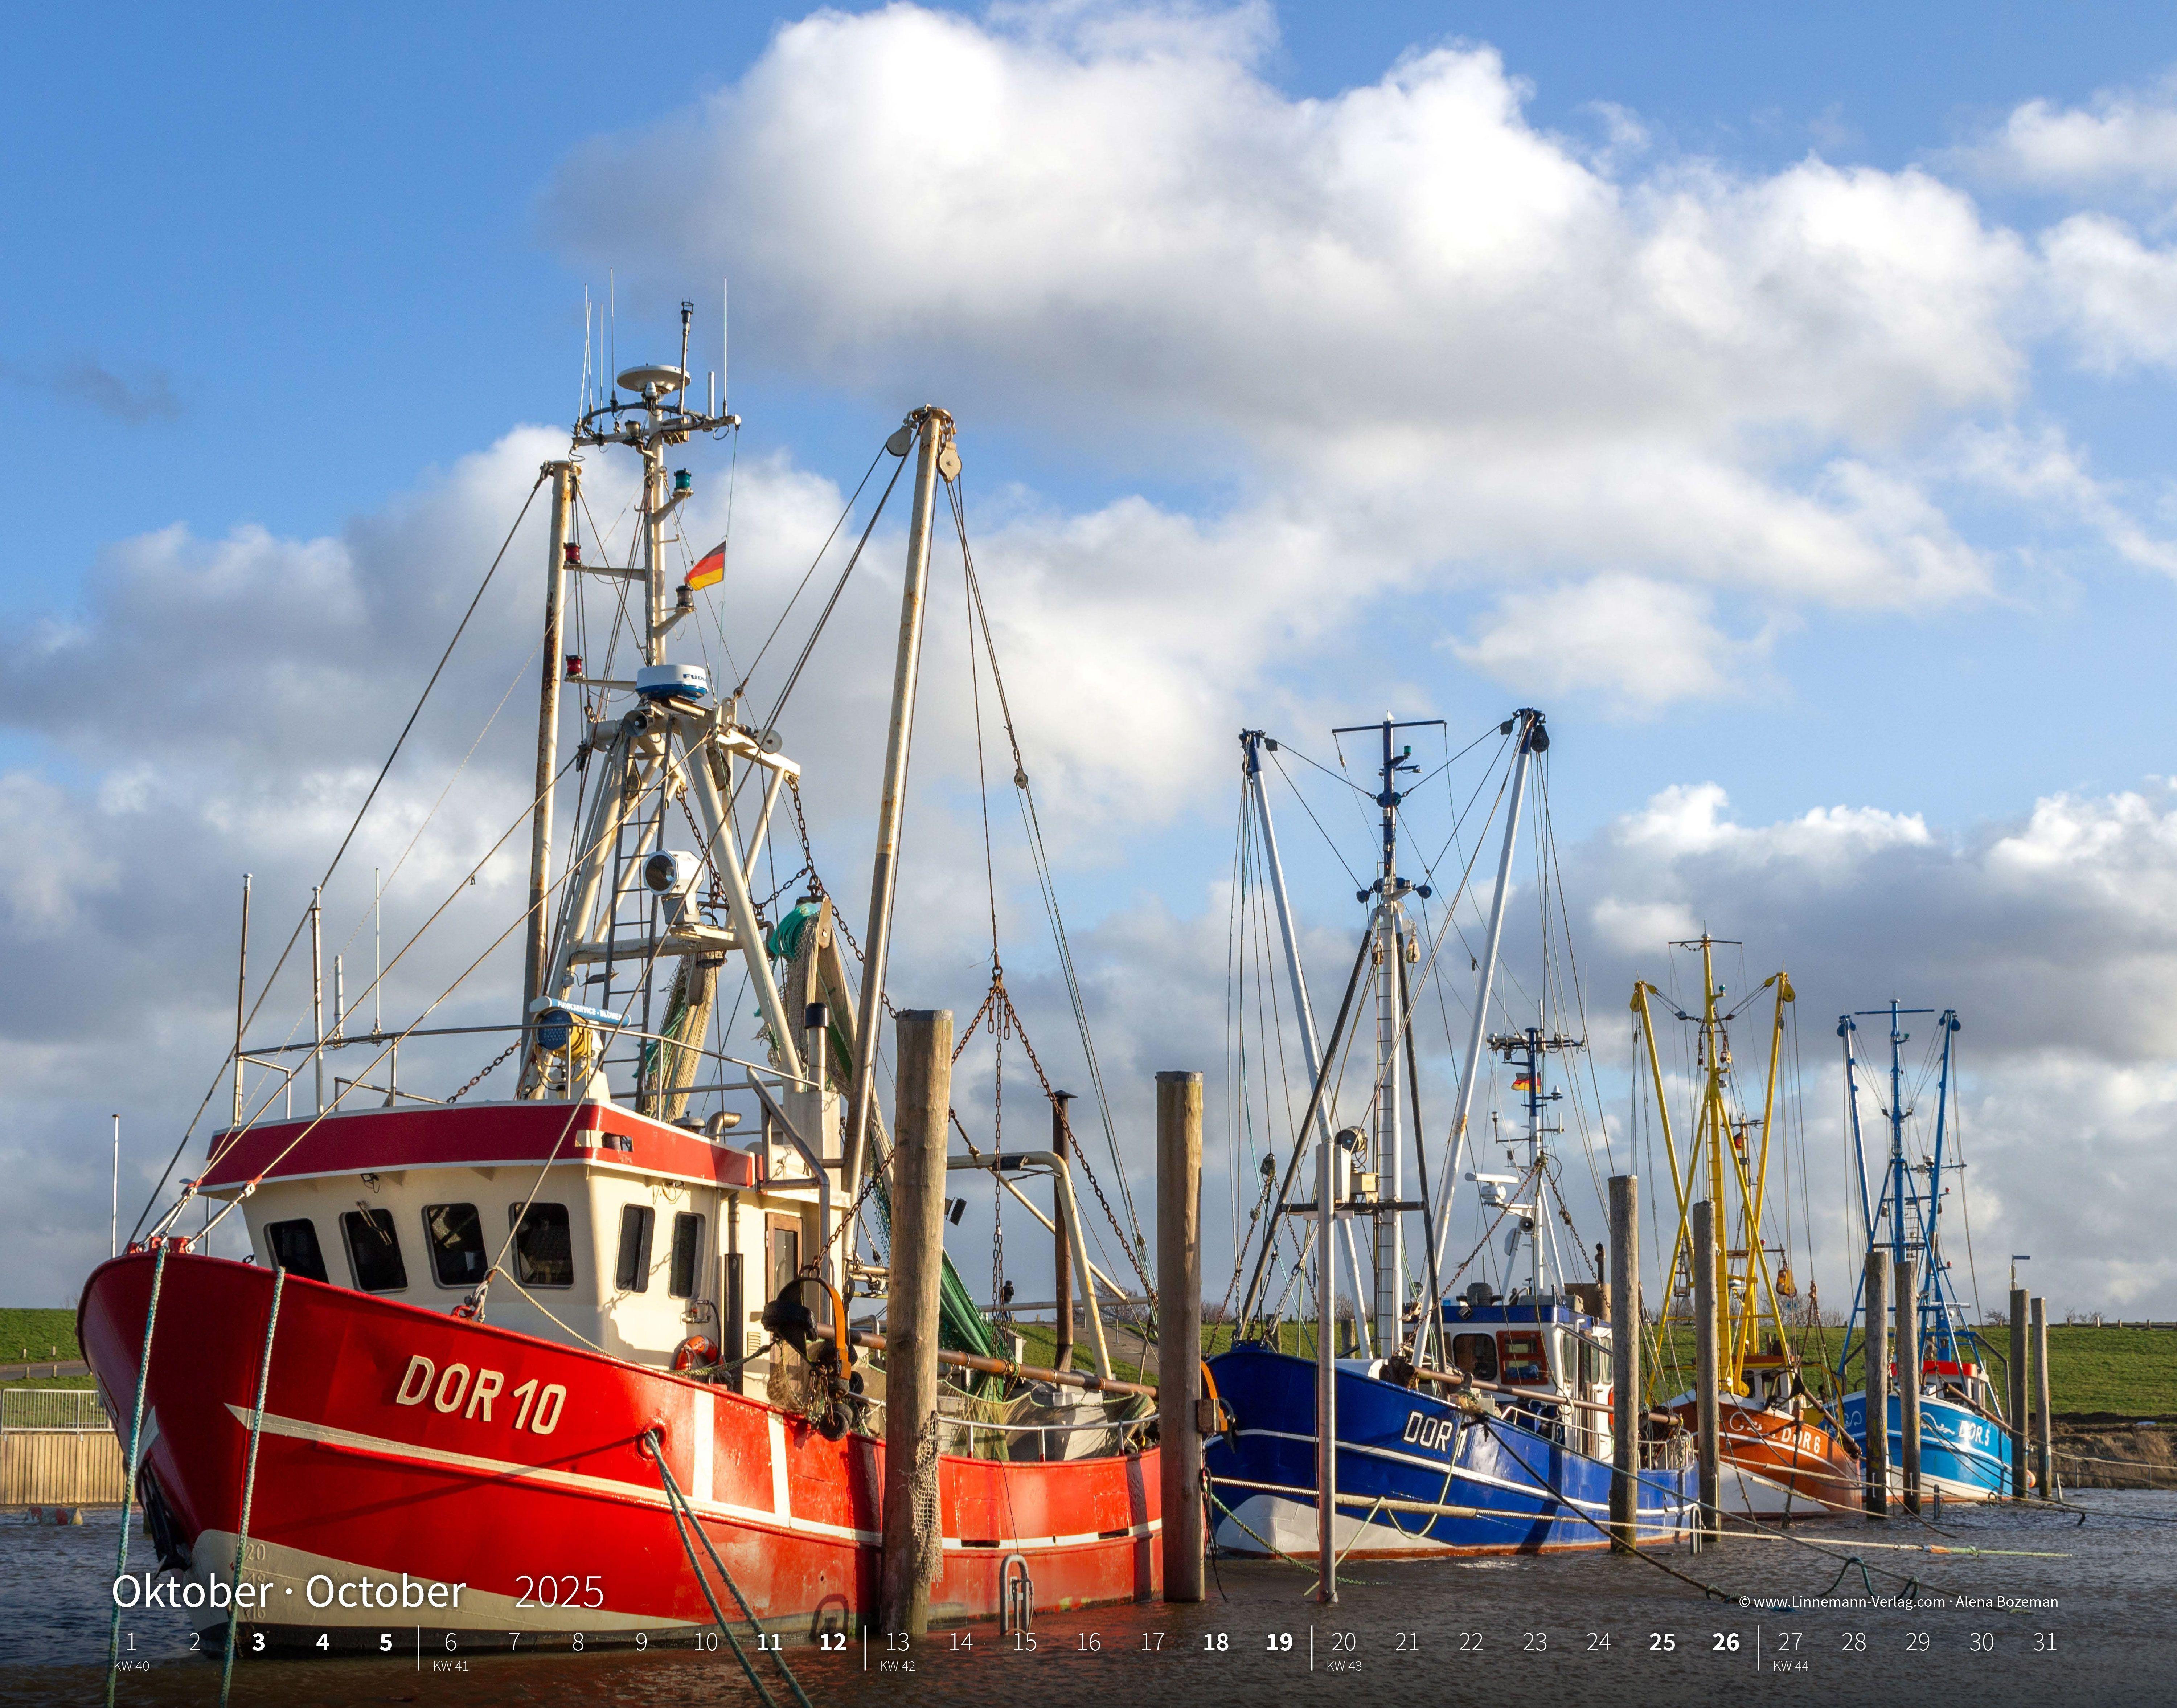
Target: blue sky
<point x="1870" y="517"/>
<point x="308" y="248"/>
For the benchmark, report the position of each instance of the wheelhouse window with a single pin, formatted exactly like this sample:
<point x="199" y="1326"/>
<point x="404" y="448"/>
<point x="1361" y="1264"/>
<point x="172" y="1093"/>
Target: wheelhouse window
<point x="782" y="1253"/>
<point x="373" y="1251"/>
<point x="687" y="1250"/>
<point x="1475" y="1355"/>
<point x="631" y="1273"/>
<point x="455" y="1234"/>
<point x="1524" y="1362"/>
<point x="544" y="1245"/>
<point x="295" y="1248"/>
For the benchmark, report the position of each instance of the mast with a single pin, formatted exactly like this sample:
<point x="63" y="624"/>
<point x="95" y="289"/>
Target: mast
<point x="930" y="429"/>
<point x="566" y="476"/>
<point x="241" y="986"/>
<point x="1896" y="1183"/>
<point x="1387" y="1286"/>
<point x="1386" y="1154"/>
<point x="1534" y="738"/>
<point x="1946" y="1347"/>
<point x="318" y="990"/>
<point x="1252" y="741"/>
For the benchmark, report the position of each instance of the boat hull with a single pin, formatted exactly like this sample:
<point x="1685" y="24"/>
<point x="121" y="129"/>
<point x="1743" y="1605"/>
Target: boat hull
<point x="1961" y="1453"/>
<point x="384" y="1479"/>
<point x="1788" y="1468"/>
<point x="1533" y="1495"/>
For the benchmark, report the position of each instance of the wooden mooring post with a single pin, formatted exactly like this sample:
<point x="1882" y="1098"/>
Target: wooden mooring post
<point x="912" y="1556"/>
<point x="1905" y="1273"/>
<point x="2044" y="1459"/>
<point x="1179" y="1332"/>
<point x="1874" y="1358"/>
<point x="1624" y="1362"/>
<point x="1708" y="1440"/>
<point x="2017" y="1384"/>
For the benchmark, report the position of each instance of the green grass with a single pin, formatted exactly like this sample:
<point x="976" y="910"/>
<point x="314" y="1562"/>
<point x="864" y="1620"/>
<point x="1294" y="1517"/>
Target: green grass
<point x="39" y="1331"/>
<point x="2129" y="1372"/>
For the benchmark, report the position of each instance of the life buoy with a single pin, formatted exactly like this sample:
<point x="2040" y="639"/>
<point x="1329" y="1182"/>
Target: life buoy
<point x="694" y="1352"/>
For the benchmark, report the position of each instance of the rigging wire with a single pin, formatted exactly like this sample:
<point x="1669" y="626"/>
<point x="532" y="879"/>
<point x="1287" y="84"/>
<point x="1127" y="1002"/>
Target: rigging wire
<point x="813" y="563"/>
<point x="460" y="629"/>
<point x="1040" y="857"/>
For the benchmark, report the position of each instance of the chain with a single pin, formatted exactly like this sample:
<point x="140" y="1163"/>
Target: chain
<point x="763" y="906"/>
<point x="483" y="1070"/>
<point x="854" y="1210"/>
<point x="717" y="879"/>
<point x="997" y="1144"/>
<point x="1132" y="1247"/>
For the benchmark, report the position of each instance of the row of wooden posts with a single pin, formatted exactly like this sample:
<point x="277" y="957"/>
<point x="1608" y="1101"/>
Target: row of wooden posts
<point x="1883" y="1270"/>
<point x="924" y="1084"/>
<point x="923" y="1091"/>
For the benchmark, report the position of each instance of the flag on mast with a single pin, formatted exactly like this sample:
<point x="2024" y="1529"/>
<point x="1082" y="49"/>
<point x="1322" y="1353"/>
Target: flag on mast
<point x="710" y="569"/>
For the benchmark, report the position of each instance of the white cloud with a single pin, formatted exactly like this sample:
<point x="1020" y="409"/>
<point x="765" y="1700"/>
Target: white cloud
<point x="2122" y="140"/>
<point x="2054" y="937"/>
<point x="1653" y="643"/>
<point x="1456" y="346"/>
<point x="2117" y="297"/>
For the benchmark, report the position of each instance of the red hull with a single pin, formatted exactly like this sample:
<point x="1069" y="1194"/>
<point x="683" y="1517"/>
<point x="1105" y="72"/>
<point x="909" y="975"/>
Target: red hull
<point x="369" y="1467"/>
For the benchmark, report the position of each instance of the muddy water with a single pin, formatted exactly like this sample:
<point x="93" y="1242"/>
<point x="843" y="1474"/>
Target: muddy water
<point x="2097" y="1626"/>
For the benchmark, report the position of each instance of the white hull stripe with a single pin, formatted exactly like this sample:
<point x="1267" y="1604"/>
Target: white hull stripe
<point x="350" y="1441"/>
<point x="1462" y="1473"/>
<point x="701" y="1492"/>
<point x="782" y="1505"/>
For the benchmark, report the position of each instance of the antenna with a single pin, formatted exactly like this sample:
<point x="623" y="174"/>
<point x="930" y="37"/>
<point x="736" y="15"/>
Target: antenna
<point x="725" y="329"/>
<point x="612" y="330"/>
<point x="687" y="314"/>
<point x="583" y="404"/>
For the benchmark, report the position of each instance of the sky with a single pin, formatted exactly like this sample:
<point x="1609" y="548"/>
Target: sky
<point x="1778" y="402"/>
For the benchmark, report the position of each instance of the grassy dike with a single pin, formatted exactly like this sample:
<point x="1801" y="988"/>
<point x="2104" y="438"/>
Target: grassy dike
<point x="37" y="1336"/>
<point x="2105" y="1372"/>
<point x="2108" y="1373"/>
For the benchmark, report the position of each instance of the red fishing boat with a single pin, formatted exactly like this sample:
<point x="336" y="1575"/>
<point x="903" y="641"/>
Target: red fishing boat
<point x="574" y="1362"/>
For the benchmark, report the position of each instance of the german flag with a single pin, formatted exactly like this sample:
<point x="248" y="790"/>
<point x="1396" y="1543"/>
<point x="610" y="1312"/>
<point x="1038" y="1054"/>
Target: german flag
<point x="1523" y="1081"/>
<point x="710" y="569"/>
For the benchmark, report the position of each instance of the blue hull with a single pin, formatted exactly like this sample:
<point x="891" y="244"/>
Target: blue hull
<point x="1961" y="1452"/>
<point x="1537" y="1494"/>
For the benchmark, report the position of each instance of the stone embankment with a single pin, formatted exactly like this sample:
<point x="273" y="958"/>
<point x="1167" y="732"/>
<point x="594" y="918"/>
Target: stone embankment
<point x="2103" y="1450"/>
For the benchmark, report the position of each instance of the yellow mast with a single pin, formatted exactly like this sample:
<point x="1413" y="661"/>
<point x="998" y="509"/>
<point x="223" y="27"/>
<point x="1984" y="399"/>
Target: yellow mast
<point x="1745" y="1265"/>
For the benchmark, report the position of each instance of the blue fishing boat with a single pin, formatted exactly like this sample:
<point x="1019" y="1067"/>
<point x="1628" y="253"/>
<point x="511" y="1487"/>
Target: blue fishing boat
<point x="1964" y="1439"/>
<point x="1478" y="1420"/>
<point x="1418" y="1472"/>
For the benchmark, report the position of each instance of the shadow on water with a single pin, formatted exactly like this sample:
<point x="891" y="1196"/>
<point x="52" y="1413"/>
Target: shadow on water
<point x="1783" y="1622"/>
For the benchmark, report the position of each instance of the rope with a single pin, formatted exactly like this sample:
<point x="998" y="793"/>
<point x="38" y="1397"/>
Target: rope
<point x="128" y="1495"/>
<point x="674" y="1502"/>
<point x="1709" y="1591"/>
<point x="296" y="935"/>
<point x="249" y="1483"/>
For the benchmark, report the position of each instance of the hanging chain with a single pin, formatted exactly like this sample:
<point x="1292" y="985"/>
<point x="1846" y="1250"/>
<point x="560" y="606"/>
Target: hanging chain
<point x="479" y="1077"/>
<point x="998" y="1144"/>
